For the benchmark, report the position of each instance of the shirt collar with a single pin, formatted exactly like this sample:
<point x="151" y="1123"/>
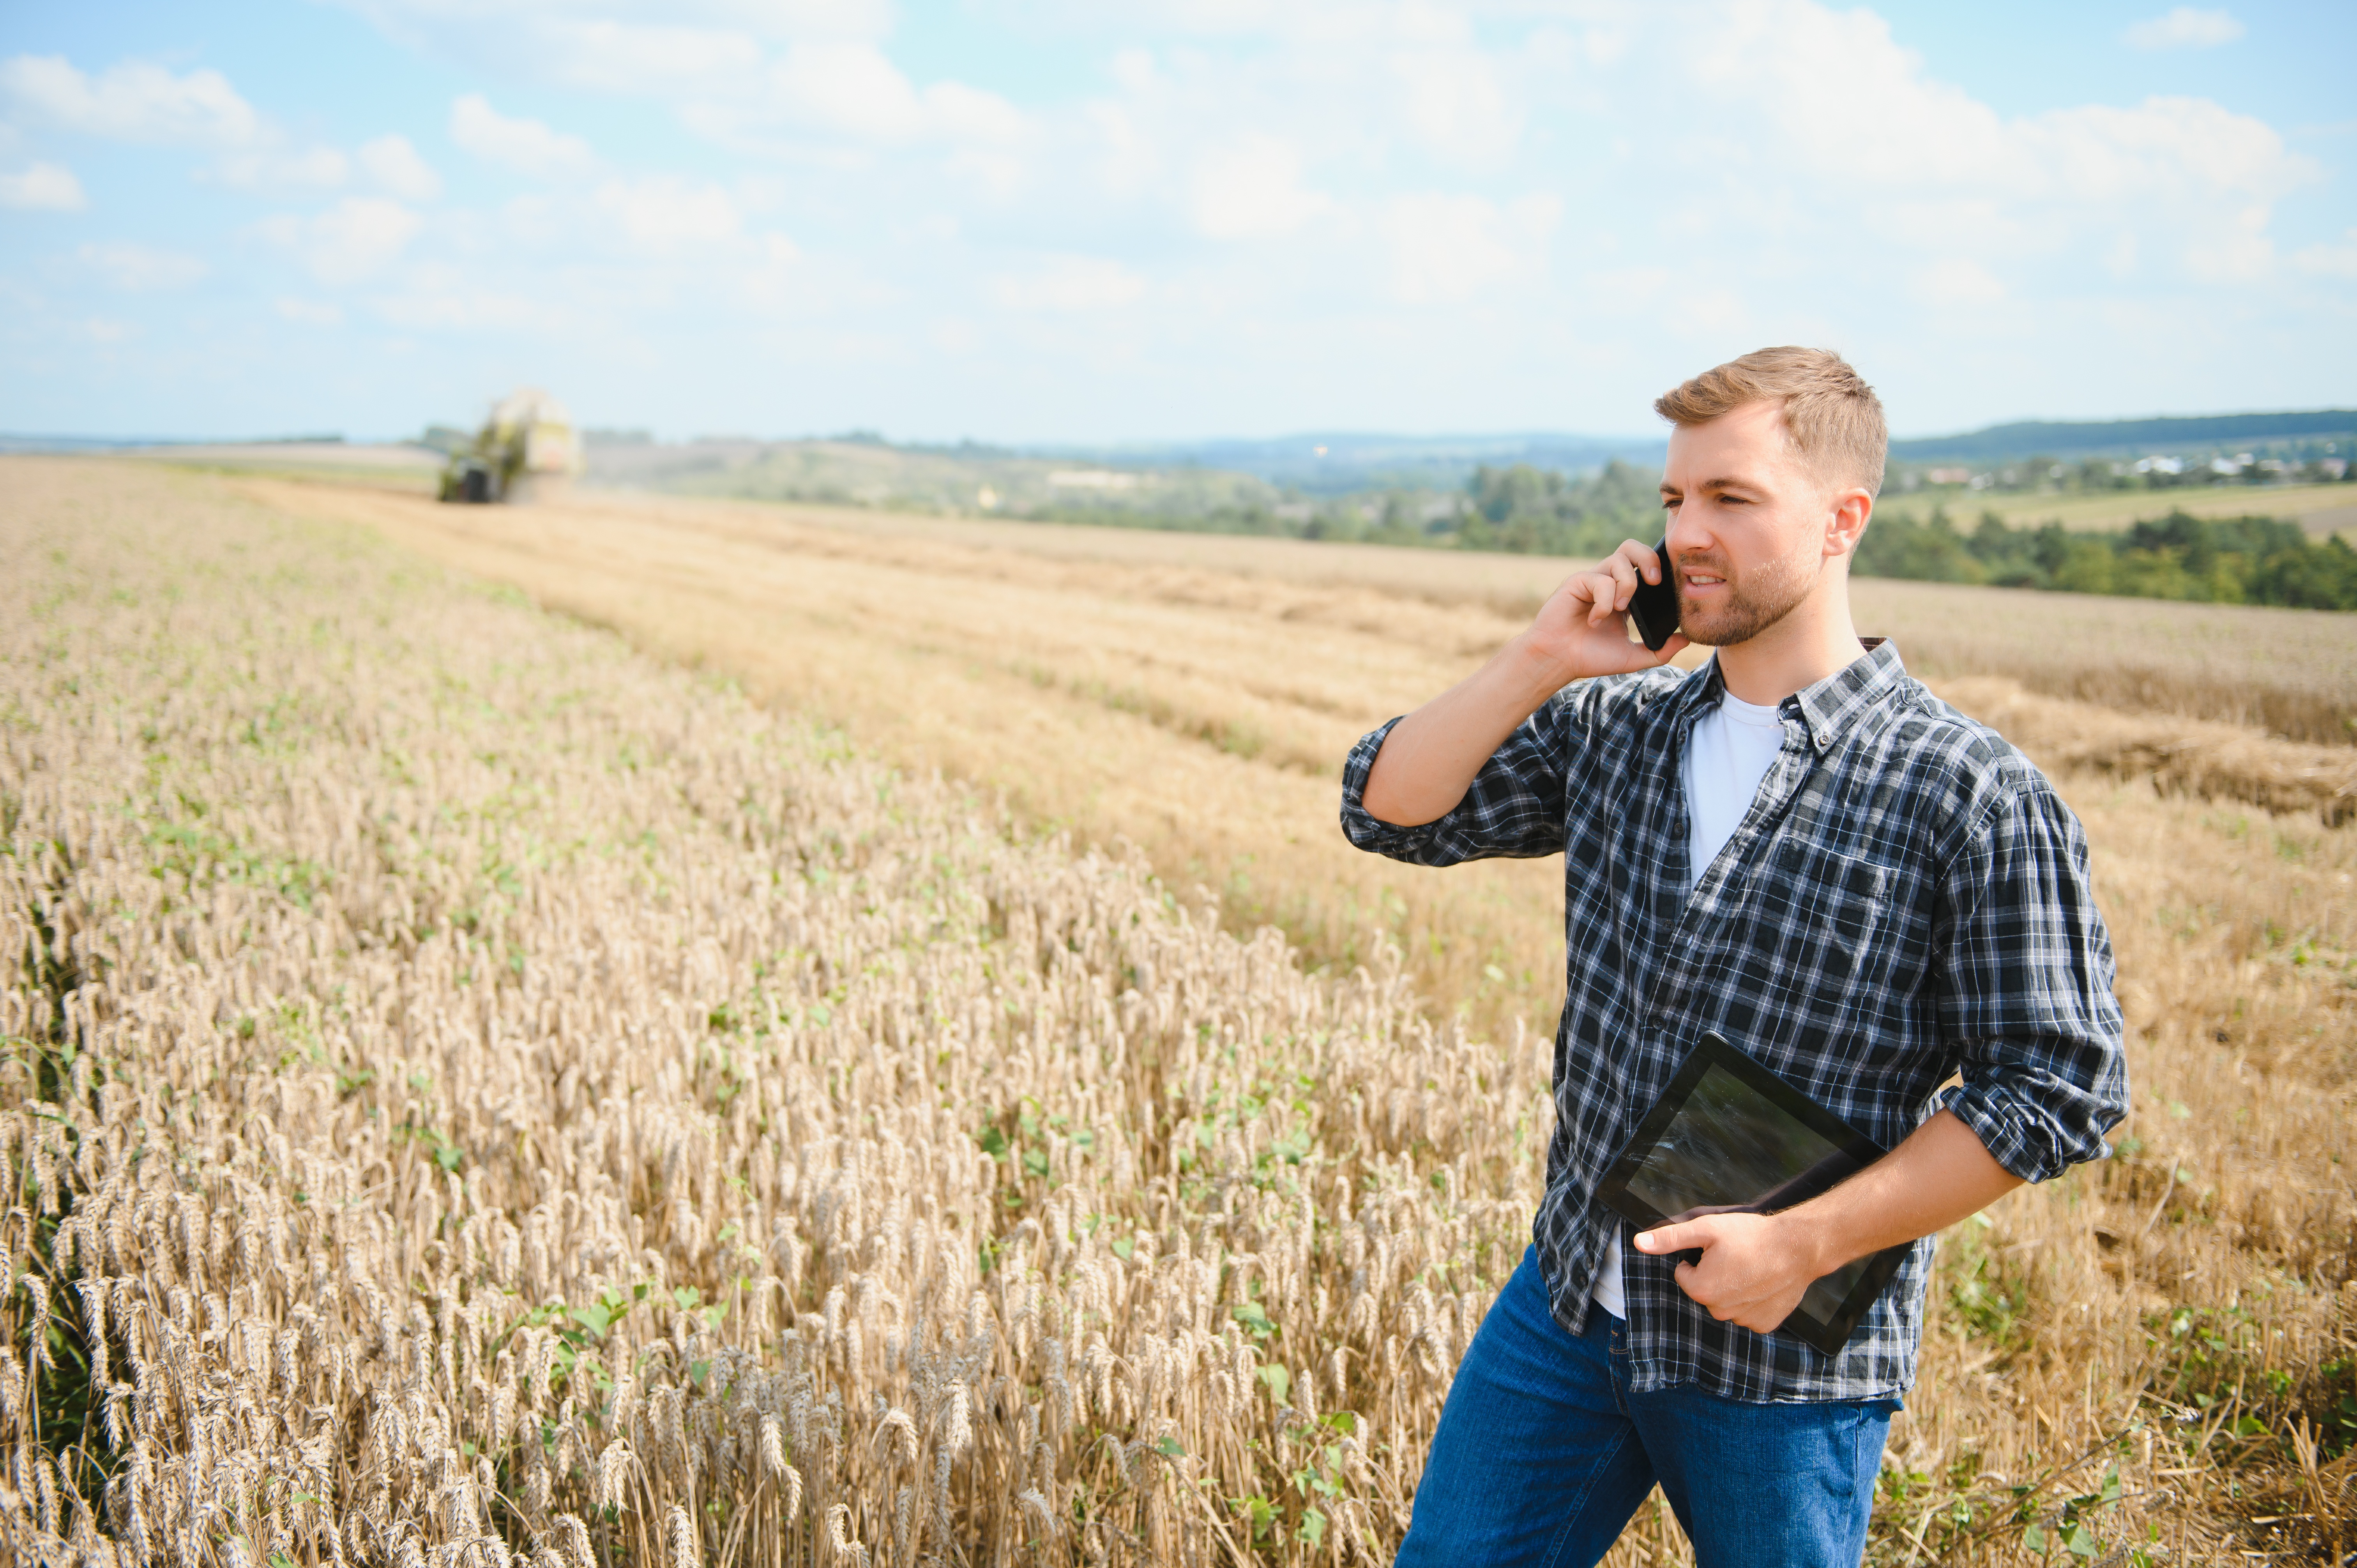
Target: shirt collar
<point x="1831" y="706"/>
<point x="1828" y="708"/>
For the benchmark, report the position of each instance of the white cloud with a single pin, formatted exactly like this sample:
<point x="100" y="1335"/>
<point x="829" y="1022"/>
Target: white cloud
<point x="1235" y="17"/>
<point x="1705" y="314"/>
<point x="141" y="103"/>
<point x="997" y="176"/>
<point x="359" y="235"/>
<point x="1122" y="157"/>
<point x="850" y="88"/>
<point x="138" y="269"/>
<point x="132" y="101"/>
<point x="394" y="164"/>
<point x="355" y="239"/>
<point x="1625" y="289"/>
<point x="310" y="312"/>
<point x="317" y="169"/>
<point x="1135" y="70"/>
<point x="1252" y="189"/>
<point x="2185" y="27"/>
<point x="445" y="304"/>
<point x="663" y="213"/>
<point x="635" y="57"/>
<point x="1956" y="281"/>
<point x="2238" y="250"/>
<point x="1070" y="284"/>
<point x="957" y="113"/>
<point x="2164" y="148"/>
<point x="1457" y="105"/>
<point x="773" y="284"/>
<point x="43" y="187"/>
<point x="1774" y="59"/>
<point x="1895" y="124"/>
<point x="107" y="329"/>
<point x="527" y="146"/>
<point x="2330" y="261"/>
<point x="850" y="94"/>
<point x="1897" y="148"/>
<point x="1328" y="189"/>
<point x="679" y="51"/>
<point x="1448" y="249"/>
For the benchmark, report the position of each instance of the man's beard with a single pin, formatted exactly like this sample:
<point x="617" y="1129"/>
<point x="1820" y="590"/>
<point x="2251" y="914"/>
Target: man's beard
<point x="1765" y="594"/>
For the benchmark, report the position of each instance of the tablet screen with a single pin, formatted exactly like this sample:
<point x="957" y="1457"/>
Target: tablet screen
<point x="1729" y="1136"/>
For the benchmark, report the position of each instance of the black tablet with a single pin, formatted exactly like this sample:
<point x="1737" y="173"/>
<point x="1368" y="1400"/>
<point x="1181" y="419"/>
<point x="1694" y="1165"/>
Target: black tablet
<point x="1727" y="1136"/>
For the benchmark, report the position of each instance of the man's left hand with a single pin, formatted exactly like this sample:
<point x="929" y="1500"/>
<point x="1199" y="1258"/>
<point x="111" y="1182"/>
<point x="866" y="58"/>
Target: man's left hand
<point x="1754" y="1268"/>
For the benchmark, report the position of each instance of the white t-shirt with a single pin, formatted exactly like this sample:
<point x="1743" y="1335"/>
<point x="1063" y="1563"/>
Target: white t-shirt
<point x="1727" y="753"/>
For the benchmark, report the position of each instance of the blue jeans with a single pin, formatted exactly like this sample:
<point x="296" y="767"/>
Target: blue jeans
<point x="1543" y="1454"/>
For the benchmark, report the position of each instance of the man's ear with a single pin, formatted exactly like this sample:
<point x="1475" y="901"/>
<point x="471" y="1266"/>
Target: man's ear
<point x="1852" y="509"/>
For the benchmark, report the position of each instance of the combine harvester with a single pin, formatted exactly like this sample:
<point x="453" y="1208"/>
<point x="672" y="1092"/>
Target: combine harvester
<point x="526" y="451"/>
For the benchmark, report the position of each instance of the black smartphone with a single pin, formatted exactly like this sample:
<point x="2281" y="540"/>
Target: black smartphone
<point x="1654" y="605"/>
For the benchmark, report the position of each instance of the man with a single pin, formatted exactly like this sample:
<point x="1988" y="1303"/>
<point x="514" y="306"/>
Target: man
<point x="1797" y="846"/>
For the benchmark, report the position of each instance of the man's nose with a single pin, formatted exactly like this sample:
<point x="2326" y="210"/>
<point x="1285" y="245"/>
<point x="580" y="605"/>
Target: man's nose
<point x="1685" y="534"/>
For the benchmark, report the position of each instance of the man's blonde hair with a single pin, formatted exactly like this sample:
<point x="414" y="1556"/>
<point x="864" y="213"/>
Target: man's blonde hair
<point x="1832" y="416"/>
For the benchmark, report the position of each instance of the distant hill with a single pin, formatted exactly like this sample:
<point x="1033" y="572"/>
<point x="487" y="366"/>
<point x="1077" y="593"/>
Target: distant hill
<point x="1311" y="463"/>
<point x="1326" y="463"/>
<point x="1341" y="462"/>
<point x="863" y="470"/>
<point x="2132" y="436"/>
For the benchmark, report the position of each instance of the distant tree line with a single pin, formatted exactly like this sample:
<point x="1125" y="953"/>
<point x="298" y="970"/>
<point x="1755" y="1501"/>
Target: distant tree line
<point x="1537" y="511"/>
<point x="2286" y="463"/>
<point x="1529" y="510"/>
<point x="2239" y="560"/>
<point x="1379" y="521"/>
<point x="2230" y="560"/>
<point x="1523" y="509"/>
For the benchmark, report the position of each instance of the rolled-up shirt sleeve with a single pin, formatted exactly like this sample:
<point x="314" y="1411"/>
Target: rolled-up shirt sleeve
<point x="1514" y="808"/>
<point x="2024" y="968"/>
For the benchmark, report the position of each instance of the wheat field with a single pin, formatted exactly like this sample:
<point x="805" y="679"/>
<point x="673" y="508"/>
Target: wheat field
<point x="1194" y="695"/>
<point x="830" y="1092"/>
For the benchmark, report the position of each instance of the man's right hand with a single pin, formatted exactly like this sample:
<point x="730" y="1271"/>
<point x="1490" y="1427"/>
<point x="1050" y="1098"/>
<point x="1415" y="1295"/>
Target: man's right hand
<point x="1431" y="756"/>
<point x="1583" y="628"/>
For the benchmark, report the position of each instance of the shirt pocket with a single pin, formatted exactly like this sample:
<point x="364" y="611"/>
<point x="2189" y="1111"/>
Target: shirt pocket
<point x="1843" y="905"/>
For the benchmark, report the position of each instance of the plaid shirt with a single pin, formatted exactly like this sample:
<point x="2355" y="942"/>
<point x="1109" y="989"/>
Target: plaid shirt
<point x="1906" y="900"/>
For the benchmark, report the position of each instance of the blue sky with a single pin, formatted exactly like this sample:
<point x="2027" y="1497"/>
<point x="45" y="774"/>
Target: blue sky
<point x="1044" y="220"/>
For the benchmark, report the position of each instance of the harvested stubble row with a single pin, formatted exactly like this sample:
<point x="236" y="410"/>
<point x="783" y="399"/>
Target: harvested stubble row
<point x="474" y="1092"/>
